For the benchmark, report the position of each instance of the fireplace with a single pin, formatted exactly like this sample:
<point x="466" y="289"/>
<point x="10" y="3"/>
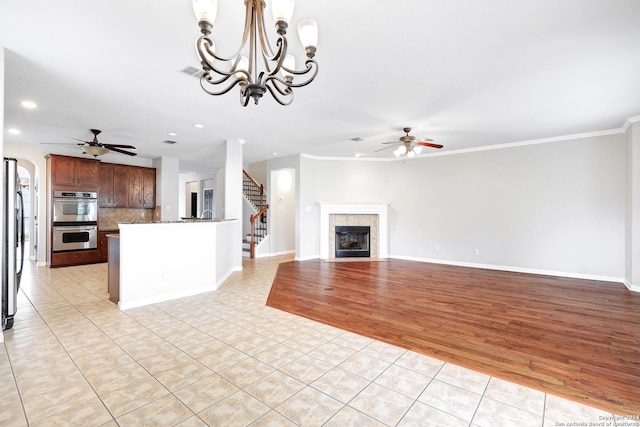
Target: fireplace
<point x="353" y="241"/>
<point x="372" y="215"/>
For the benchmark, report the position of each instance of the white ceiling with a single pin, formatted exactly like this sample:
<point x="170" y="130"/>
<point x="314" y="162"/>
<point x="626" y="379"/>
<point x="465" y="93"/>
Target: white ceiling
<point x="465" y="73"/>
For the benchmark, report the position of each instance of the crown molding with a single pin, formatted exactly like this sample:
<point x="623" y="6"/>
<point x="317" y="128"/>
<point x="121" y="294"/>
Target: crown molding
<point x="616" y="131"/>
<point x="631" y="120"/>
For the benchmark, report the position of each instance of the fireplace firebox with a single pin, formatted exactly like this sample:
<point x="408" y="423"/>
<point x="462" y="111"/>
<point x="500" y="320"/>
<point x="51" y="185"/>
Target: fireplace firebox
<point x="352" y="241"/>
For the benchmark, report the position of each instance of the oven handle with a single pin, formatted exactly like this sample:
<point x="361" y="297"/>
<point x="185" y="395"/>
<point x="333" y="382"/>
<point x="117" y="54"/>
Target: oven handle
<point x="73" y="199"/>
<point x="75" y="227"/>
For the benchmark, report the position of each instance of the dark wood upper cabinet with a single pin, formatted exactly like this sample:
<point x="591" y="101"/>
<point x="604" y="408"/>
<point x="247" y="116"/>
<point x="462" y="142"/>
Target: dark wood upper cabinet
<point x="74" y="173"/>
<point x="123" y="186"/>
<point x="105" y="185"/>
<point x="135" y="188"/>
<point x="148" y="188"/>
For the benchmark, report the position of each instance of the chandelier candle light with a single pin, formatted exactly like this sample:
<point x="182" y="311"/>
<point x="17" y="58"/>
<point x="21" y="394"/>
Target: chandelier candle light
<point x="278" y="75"/>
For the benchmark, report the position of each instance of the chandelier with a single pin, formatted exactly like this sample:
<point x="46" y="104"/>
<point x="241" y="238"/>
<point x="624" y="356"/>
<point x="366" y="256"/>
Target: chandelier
<point x="262" y="68"/>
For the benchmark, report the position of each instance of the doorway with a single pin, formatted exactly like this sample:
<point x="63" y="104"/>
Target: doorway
<point x="194" y="205"/>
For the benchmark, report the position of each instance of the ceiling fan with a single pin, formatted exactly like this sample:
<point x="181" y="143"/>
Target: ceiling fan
<point x="96" y="148"/>
<point x="409" y="145"/>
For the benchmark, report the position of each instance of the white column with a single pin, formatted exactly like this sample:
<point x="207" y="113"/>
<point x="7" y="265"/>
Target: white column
<point x="167" y="187"/>
<point x="632" y="220"/>
<point x="233" y="196"/>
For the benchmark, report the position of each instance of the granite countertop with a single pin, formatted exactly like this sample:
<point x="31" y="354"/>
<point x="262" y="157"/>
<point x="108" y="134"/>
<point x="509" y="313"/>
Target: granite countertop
<point x="179" y="221"/>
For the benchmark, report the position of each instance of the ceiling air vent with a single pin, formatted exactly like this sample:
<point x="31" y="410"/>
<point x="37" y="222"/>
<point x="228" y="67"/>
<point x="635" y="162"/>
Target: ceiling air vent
<point x="167" y="141"/>
<point x="192" y="71"/>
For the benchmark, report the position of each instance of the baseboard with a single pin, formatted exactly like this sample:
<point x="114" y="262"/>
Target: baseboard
<point x="631" y="287"/>
<point x="308" y="258"/>
<point x="126" y="305"/>
<point x="516" y="269"/>
<point x="226" y="276"/>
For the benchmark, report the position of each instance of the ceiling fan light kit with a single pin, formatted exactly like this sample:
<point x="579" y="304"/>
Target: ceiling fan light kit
<point x="277" y="75"/>
<point x="409" y="145"/>
<point x="94" y="150"/>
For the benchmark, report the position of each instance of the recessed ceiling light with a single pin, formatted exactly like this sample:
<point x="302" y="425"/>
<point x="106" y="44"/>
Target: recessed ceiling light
<point x="198" y="125"/>
<point x="172" y="134"/>
<point x="274" y="154"/>
<point x="14" y="131"/>
<point x="359" y="155"/>
<point x="29" y="104"/>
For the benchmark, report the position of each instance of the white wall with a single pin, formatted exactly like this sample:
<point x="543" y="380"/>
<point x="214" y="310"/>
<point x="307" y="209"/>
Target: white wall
<point x="282" y="210"/>
<point x="218" y="194"/>
<point x="556" y="207"/>
<point x="258" y="171"/>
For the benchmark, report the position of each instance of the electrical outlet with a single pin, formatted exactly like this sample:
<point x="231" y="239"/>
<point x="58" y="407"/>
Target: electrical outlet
<point x="437" y="248"/>
<point x="477" y="251"/>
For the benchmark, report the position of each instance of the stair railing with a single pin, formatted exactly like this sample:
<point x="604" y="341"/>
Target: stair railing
<point x="255" y="194"/>
<point x="253" y="219"/>
<point x="253" y="190"/>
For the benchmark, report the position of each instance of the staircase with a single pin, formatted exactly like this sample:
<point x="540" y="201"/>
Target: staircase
<point x="257" y="198"/>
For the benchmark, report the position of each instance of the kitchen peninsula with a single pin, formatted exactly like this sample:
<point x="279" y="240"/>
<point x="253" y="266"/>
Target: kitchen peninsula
<point x="165" y="260"/>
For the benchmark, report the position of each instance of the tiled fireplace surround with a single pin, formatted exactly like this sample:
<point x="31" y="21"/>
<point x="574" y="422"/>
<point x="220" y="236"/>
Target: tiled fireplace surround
<point x="373" y="215"/>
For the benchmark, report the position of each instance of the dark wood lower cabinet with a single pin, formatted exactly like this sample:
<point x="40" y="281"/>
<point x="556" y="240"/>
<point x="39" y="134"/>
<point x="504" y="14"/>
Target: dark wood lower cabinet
<point x="113" y="272"/>
<point x="103" y="244"/>
<point x="62" y="259"/>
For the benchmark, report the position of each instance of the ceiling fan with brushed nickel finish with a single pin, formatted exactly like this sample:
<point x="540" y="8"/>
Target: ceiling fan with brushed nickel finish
<point x="96" y="148"/>
<point x="409" y="145"/>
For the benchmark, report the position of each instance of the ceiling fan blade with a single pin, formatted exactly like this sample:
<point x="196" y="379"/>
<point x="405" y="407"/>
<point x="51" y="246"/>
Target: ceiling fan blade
<point x="425" y="140"/>
<point x="59" y="143"/>
<point x="117" y="150"/>
<point x="393" y="142"/>
<point x="119" y="146"/>
<point x="81" y="140"/>
<point x="391" y="146"/>
<point x="429" y="144"/>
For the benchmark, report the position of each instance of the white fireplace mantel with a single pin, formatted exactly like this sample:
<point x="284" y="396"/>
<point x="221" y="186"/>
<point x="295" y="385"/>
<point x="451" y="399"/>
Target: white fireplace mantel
<point x="330" y="208"/>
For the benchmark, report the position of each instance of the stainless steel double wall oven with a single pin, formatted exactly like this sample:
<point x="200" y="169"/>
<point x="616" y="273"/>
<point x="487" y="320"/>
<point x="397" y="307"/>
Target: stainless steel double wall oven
<point x="75" y="220"/>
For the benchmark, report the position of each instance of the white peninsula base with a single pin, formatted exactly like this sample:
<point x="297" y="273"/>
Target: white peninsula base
<point x="168" y="260"/>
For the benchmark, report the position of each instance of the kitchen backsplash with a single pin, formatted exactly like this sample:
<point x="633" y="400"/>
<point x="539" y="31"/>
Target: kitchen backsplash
<point x="108" y="218"/>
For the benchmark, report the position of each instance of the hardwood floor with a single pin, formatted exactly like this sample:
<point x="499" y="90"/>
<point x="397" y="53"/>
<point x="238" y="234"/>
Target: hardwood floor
<point x="577" y="339"/>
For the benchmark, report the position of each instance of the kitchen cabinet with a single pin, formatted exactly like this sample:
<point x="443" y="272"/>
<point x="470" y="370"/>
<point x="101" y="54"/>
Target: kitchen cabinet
<point x="73" y="173"/>
<point x="148" y="188"/>
<point x="103" y="244"/>
<point x="60" y="259"/>
<point x="113" y="186"/>
<point x="123" y="186"/>
<point x="142" y="187"/>
<point x="135" y="188"/>
<point x="113" y="270"/>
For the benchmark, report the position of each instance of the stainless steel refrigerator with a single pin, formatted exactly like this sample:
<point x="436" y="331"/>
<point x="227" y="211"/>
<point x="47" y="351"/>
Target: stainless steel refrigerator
<point x="13" y="241"/>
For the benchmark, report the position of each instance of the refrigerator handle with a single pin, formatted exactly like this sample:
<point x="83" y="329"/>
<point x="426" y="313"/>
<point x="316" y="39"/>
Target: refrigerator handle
<point x="22" y="238"/>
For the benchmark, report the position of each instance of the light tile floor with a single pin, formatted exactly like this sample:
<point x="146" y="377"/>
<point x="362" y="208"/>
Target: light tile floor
<point x="225" y="359"/>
